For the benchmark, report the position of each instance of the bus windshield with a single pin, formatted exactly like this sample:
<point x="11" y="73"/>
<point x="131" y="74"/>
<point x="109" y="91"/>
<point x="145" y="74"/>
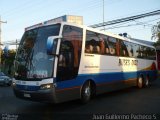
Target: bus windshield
<point x="32" y="61"/>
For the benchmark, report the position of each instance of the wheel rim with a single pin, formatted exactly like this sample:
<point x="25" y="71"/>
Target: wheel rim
<point x="147" y="81"/>
<point x="140" y="82"/>
<point x="87" y="91"/>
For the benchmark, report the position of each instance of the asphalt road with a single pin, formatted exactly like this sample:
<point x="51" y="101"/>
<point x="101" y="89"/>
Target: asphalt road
<point x="130" y="103"/>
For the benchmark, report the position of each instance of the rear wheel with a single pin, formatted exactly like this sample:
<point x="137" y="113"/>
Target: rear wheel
<point x="140" y="82"/>
<point x="146" y="82"/>
<point x="86" y="92"/>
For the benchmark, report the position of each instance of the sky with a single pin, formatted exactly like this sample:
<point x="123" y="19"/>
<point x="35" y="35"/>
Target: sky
<point x="23" y="13"/>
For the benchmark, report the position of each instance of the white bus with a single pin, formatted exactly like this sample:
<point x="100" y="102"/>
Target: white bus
<point x="63" y="61"/>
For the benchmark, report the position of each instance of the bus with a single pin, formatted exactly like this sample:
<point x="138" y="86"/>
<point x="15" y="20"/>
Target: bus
<point x="63" y="61"/>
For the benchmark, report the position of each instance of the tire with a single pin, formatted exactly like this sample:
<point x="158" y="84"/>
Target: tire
<point x="146" y="81"/>
<point x="140" y="82"/>
<point x="86" y="92"/>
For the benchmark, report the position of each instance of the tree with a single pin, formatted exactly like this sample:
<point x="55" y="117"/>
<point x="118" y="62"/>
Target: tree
<point x="156" y="33"/>
<point x="8" y="60"/>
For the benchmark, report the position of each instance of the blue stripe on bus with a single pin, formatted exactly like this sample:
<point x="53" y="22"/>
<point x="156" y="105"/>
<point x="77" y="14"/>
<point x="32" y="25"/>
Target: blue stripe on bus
<point x="102" y="78"/>
<point x="98" y="78"/>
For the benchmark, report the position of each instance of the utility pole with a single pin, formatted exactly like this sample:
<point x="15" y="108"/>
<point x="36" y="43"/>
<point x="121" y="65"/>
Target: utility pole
<point x="103" y="15"/>
<point x="0" y="40"/>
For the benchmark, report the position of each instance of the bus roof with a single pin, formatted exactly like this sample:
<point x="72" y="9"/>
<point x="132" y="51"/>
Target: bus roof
<point x="65" y="18"/>
<point x="93" y="30"/>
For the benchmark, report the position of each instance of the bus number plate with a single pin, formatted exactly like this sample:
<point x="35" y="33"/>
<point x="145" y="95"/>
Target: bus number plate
<point x="27" y="95"/>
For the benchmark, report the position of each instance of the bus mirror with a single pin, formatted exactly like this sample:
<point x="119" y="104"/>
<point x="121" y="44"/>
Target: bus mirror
<point x="52" y="45"/>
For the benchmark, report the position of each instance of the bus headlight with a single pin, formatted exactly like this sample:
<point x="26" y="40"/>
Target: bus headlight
<point x="47" y="86"/>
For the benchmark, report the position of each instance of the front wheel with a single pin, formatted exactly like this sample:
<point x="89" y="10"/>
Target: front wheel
<point x="86" y="92"/>
<point x="140" y="82"/>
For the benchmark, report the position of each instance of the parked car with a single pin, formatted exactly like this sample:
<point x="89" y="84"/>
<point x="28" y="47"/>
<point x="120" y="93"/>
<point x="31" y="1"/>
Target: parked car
<point x="5" y="80"/>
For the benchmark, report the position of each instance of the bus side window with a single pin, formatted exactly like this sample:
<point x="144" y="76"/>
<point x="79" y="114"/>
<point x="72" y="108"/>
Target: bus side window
<point x="130" y="49"/>
<point x="112" y="51"/>
<point x="112" y="45"/>
<point x="139" y="51"/>
<point x="92" y="38"/>
<point x="89" y="49"/>
<point x="106" y="45"/>
<point x="102" y="46"/>
<point x="124" y="50"/>
<point x="69" y="53"/>
<point x="96" y="49"/>
<point x="135" y="49"/>
<point x="144" y="55"/>
<point x="131" y="52"/>
<point x="107" y="50"/>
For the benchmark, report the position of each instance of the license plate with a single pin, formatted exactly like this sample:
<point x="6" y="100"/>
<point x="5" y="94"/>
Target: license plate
<point x="27" y="95"/>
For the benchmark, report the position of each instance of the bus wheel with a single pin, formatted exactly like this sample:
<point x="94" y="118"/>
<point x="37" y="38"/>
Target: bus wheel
<point x="140" y="82"/>
<point x="86" y="92"/>
<point x="146" y="82"/>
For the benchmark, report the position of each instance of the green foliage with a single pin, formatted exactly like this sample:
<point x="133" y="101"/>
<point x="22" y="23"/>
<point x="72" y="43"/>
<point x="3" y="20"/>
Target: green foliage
<point x="156" y="31"/>
<point x="7" y="61"/>
<point x="157" y="43"/>
<point x="10" y="58"/>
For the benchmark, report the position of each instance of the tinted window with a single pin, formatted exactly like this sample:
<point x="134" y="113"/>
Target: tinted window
<point x="153" y="54"/>
<point x="124" y="50"/>
<point x="129" y="46"/>
<point x="92" y="43"/>
<point x="70" y="53"/>
<point x="112" y="42"/>
<point x="97" y="43"/>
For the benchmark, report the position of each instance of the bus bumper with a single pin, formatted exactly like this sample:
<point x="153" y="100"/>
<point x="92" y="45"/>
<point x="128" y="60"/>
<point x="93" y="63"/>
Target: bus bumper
<point x="47" y="95"/>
